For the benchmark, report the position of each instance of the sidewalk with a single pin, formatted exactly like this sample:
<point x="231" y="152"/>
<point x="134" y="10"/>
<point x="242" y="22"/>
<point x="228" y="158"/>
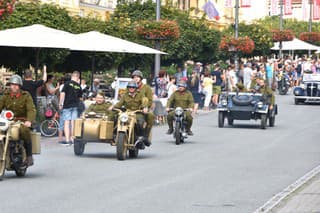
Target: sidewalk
<point x="305" y="199"/>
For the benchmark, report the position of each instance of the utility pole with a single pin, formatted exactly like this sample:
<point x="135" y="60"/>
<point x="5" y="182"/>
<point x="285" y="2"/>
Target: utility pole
<point x="157" y="42"/>
<point x="281" y="27"/>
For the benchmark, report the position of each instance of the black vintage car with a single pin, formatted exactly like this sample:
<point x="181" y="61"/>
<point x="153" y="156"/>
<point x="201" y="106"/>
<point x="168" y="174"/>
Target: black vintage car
<point x="245" y="106"/>
<point x="309" y="90"/>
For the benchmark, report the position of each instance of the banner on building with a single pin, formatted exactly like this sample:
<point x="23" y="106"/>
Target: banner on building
<point x="316" y="9"/>
<point x="274" y="7"/>
<point x="245" y="3"/>
<point x="287" y="7"/>
<point x="304" y="7"/>
<point x="228" y="3"/>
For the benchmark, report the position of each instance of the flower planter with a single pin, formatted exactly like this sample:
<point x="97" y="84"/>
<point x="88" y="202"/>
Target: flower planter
<point x="282" y="35"/>
<point x="6" y="8"/>
<point x="244" y="45"/>
<point x="311" y="37"/>
<point x="158" y="30"/>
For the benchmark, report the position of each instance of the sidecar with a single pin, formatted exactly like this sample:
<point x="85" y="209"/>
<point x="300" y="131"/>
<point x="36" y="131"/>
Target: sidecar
<point x="92" y="128"/>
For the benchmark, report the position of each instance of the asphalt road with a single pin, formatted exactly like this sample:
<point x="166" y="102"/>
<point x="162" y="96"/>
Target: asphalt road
<point x="232" y="169"/>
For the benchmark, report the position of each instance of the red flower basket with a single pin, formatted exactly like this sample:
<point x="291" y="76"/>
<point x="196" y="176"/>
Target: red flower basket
<point x="311" y="37"/>
<point x="241" y="44"/>
<point x="282" y="35"/>
<point x="158" y="30"/>
<point x="6" y="8"/>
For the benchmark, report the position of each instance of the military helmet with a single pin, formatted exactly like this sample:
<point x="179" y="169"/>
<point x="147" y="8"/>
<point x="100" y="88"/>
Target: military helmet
<point x="137" y="73"/>
<point x="132" y="84"/>
<point x="16" y="79"/>
<point x="182" y="84"/>
<point x="240" y="85"/>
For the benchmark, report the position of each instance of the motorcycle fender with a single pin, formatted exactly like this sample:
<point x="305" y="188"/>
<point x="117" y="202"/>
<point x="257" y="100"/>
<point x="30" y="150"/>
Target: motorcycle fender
<point x="122" y="128"/>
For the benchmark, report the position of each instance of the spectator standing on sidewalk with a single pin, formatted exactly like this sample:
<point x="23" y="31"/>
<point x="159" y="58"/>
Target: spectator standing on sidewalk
<point x="31" y="85"/>
<point x="69" y="102"/>
<point x="207" y="89"/>
<point x="195" y="87"/>
<point x="217" y="82"/>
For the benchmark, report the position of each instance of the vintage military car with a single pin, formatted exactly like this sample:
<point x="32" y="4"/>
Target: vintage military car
<point x="309" y="90"/>
<point x="245" y="106"/>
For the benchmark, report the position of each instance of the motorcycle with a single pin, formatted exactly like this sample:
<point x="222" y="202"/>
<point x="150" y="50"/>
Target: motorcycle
<point x="180" y="130"/>
<point x="129" y="133"/>
<point x="283" y="83"/>
<point x="13" y="156"/>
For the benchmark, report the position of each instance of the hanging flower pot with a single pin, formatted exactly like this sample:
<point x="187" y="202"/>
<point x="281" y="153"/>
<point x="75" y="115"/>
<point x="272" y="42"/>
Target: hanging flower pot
<point x="240" y="44"/>
<point x="311" y="37"/>
<point x="6" y="8"/>
<point x="158" y="30"/>
<point x="282" y="35"/>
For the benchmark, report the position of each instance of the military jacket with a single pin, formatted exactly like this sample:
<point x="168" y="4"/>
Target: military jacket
<point x="146" y="91"/>
<point x="99" y="108"/>
<point x="20" y="104"/>
<point x="181" y="99"/>
<point x="269" y="93"/>
<point x="135" y="102"/>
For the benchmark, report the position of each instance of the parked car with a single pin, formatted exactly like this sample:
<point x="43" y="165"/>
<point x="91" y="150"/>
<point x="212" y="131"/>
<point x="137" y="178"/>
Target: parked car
<point x="309" y="89"/>
<point x="246" y="106"/>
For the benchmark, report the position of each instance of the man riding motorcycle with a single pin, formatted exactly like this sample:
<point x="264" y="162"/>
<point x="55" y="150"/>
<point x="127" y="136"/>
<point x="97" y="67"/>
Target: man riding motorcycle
<point x="146" y="91"/>
<point x="133" y="100"/>
<point x="21" y="104"/>
<point x="180" y="98"/>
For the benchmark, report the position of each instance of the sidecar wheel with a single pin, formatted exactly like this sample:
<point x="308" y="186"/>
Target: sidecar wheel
<point x="2" y="163"/>
<point x="21" y="172"/>
<point x="121" y="146"/>
<point x="78" y="147"/>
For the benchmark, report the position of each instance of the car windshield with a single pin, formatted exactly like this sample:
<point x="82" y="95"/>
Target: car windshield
<point x="311" y="77"/>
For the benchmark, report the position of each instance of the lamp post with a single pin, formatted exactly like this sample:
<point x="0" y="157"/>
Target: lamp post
<point x="310" y="23"/>
<point x="281" y="27"/>
<point x="157" y="42"/>
<point x="236" y="32"/>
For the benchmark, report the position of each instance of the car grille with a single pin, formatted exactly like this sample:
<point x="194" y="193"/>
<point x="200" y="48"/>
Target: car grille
<point x="312" y="90"/>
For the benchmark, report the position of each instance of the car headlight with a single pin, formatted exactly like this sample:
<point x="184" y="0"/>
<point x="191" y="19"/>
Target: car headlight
<point x="297" y="92"/>
<point x="260" y="104"/>
<point x="124" y="118"/>
<point x="179" y="111"/>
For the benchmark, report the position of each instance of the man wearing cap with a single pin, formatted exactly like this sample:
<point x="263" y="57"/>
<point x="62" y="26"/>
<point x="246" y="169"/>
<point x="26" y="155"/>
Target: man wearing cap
<point x="134" y="100"/>
<point x="145" y="91"/>
<point x="180" y="98"/>
<point x="21" y="104"/>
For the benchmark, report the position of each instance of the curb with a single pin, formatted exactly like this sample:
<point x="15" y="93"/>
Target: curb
<point x="276" y="199"/>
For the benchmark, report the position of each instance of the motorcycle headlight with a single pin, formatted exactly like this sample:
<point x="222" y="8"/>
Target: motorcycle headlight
<point x="224" y="102"/>
<point x="260" y="104"/>
<point x="124" y="118"/>
<point x="179" y="111"/>
<point x="4" y="124"/>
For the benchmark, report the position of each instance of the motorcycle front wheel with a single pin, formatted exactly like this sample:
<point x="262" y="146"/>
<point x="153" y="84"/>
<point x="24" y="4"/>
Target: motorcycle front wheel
<point x="121" y="146"/>
<point x="2" y="162"/>
<point x="21" y="172"/>
<point x="177" y="133"/>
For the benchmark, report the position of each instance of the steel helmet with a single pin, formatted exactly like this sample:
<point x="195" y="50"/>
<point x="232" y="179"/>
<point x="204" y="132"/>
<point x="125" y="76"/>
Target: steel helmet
<point x="182" y="84"/>
<point x="16" y="79"/>
<point x="137" y="73"/>
<point x="132" y="84"/>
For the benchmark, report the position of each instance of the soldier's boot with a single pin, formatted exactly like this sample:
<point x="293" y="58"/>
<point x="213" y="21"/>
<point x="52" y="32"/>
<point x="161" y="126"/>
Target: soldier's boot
<point x="28" y="147"/>
<point x="170" y="124"/>
<point x="146" y="140"/>
<point x="189" y="132"/>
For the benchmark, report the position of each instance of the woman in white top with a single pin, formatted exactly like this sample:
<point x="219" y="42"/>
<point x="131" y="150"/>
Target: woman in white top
<point x="171" y="86"/>
<point x="207" y="89"/>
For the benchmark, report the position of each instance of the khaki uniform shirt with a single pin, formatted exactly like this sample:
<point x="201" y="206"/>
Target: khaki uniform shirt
<point x="146" y="91"/>
<point x="20" y="104"/>
<point x="269" y="93"/>
<point x="181" y="99"/>
<point x="132" y="103"/>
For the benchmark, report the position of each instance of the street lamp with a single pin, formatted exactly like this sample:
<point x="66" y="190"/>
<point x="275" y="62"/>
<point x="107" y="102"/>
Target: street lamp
<point x="310" y="22"/>
<point x="157" y="42"/>
<point x="281" y="27"/>
<point x="236" y="29"/>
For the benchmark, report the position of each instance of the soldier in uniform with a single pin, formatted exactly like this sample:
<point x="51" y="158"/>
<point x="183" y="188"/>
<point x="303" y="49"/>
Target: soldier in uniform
<point x="134" y="100"/>
<point x="146" y="91"/>
<point x="21" y="104"/>
<point x="262" y="88"/>
<point x="180" y="98"/>
<point x="101" y="106"/>
<point x="240" y="87"/>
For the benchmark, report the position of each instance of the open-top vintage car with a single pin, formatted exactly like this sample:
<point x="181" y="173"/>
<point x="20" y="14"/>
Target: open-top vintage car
<point x="309" y="90"/>
<point x="245" y="106"/>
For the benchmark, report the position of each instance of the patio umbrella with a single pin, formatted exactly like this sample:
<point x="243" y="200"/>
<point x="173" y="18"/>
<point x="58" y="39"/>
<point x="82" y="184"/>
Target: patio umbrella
<point x="98" y="42"/>
<point x="295" y="44"/>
